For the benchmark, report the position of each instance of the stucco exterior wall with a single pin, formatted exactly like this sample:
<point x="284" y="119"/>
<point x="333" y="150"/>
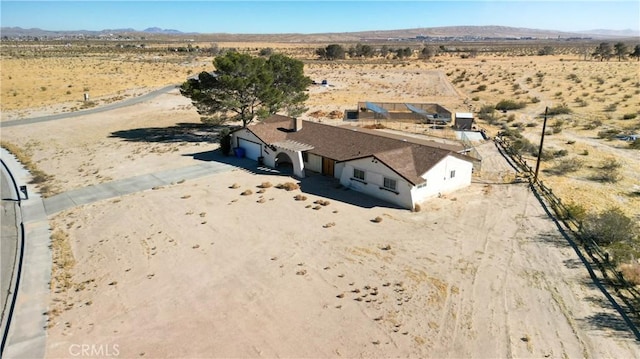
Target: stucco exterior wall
<point x="439" y="178"/>
<point x="375" y="172"/>
<point x="247" y="135"/>
<point x="314" y="163"/>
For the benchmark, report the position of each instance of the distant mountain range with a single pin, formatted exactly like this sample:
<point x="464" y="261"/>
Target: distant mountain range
<point x="489" y="32"/>
<point x="35" y="32"/>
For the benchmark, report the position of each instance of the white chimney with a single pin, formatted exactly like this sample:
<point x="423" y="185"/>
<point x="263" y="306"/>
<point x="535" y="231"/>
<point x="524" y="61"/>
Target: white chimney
<point x="297" y="124"/>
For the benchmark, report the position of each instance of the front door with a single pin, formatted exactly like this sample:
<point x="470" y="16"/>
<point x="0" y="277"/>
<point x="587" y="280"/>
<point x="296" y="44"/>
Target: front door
<point x="327" y="166"/>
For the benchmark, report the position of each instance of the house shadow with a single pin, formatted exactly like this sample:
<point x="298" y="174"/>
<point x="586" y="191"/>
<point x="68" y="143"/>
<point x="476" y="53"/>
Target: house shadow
<point x="314" y="184"/>
<point x="181" y="132"/>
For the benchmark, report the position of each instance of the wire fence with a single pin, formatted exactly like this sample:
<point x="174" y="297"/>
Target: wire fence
<point x="599" y="257"/>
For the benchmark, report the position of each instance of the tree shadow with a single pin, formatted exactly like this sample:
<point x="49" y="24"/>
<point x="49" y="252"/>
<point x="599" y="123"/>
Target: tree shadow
<point x="181" y="132"/>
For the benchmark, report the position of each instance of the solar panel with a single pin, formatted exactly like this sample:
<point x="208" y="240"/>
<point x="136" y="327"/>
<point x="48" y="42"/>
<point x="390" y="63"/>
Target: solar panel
<point x="419" y="111"/>
<point x="377" y="109"/>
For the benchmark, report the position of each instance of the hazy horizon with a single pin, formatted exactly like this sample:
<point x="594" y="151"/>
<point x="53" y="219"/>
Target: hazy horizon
<point x="309" y="17"/>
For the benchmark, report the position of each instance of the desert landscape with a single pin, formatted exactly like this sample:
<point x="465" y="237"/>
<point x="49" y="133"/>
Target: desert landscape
<point x="229" y="265"/>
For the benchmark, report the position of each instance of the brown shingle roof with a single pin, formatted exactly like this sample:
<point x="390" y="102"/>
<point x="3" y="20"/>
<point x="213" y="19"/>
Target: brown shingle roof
<point x="409" y="157"/>
<point x="272" y="129"/>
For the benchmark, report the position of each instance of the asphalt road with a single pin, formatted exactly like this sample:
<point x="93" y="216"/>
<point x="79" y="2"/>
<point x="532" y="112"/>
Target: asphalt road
<point x="8" y="238"/>
<point x="109" y="107"/>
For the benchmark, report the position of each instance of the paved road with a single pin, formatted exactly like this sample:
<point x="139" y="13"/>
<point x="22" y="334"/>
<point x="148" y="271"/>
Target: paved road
<point x="9" y="239"/>
<point x="109" y="107"/>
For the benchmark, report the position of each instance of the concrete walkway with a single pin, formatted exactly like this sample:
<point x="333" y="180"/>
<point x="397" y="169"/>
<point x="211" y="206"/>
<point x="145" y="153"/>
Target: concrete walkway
<point x="89" y="194"/>
<point x="27" y="336"/>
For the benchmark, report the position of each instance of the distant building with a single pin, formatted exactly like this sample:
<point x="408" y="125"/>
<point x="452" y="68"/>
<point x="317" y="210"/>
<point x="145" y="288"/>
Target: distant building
<point x="463" y="121"/>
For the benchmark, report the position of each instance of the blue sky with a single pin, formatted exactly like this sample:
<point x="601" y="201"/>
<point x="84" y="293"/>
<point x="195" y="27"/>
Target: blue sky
<point x="318" y="16"/>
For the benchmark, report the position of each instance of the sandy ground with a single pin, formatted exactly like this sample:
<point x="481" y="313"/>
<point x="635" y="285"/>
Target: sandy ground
<point x="198" y="270"/>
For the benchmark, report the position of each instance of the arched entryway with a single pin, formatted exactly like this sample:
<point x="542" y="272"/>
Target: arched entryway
<point x="284" y="163"/>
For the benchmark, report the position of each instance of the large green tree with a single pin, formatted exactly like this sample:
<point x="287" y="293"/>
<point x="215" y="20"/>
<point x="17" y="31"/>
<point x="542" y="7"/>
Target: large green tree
<point x="331" y="52"/>
<point x="603" y="51"/>
<point x="636" y="52"/>
<point x="620" y="49"/>
<point x="247" y="88"/>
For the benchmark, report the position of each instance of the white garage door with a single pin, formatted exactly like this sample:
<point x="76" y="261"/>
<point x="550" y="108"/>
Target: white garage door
<point x="252" y="149"/>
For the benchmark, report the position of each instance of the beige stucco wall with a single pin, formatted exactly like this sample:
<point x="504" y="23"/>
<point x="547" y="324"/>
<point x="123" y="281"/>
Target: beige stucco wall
<point x="314" y="163"/>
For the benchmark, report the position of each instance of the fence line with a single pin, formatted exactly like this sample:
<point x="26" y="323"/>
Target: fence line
<point x="614" y="278"/>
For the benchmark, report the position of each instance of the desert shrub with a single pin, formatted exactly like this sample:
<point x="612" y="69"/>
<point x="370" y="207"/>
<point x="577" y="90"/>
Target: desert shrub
<point x="565" y="166"/>
<point x="288" y="186"/>
<point x="475" y="98"/>
<point x="629" y="116"/>
<point x="246" y="193"/>
<point x="611" y="108"/>
<point x="557" y="126"/>
<point x="480" y="88"/>
<point x="560" y="153"/>
<point x="610" y="164"/>
<point x="609" y="226"/>
<point x="377" y="220"/>
<point x="593" y="124"/>
<point x="608" y="134"/>
<point x="300" y="197"/>
<point x="609" y="171"/>
<point x="631" y="272"/>
<point x="234" y="186"/>
<point x="417" y="208"/>
<point x="265" y="185"/>
<point x="573" y="77"/>
<point x="511" y="118"/>
<point x="487" y="113"/>
<point x="635" y="144"/>
<point x="562" y="109"/>
<point x="523" y="145"/>
<point x="575" y="211"/>
<point x="505" y="105"/>
<point x="535" y="100"/>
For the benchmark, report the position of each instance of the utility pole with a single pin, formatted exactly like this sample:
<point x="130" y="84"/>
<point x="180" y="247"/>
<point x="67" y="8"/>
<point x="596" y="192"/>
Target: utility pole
<point x="544" y="128"/>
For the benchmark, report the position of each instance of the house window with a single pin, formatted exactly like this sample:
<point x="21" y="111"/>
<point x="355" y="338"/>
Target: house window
<point x="453" y="174"/>
<point x="390" y="184"/>
<point x="422" y="185"/>
<point x="358" y="174"/>
<point x="305" y="157"/>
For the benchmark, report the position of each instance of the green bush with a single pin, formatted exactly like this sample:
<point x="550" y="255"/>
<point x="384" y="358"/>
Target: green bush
<point x="610" y="227"/>
<point x="565" y="166"/>
<point x="487" y="113"/>
<point x="608" y="134"/>
<point x="609" y="171"/>
<point x="506" y="105"/>
<point x="559" y="110"/>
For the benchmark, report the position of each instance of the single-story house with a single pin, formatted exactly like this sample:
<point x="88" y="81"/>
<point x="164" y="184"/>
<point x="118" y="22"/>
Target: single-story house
<point x="398" y="169"/>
